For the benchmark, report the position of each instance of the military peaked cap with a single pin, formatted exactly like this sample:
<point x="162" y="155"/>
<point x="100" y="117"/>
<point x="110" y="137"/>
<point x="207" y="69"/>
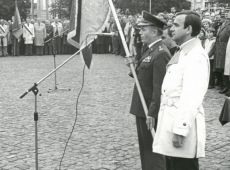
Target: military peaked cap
<point x="150" y="20"/>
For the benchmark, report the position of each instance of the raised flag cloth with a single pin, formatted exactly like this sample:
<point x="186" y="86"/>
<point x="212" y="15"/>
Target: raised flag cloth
<point x="17" y="24"/>
<point x="88" y="17"/>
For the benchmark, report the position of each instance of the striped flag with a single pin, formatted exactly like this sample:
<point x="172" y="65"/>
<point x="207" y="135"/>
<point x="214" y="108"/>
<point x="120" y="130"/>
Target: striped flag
<point x="17" y="25"/>
<point x="88" y="17"/>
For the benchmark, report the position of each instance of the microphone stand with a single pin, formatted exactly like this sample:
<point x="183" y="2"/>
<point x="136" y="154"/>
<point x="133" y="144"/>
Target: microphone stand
<point x="53" y="39"/>
<point x="35" y="91"/>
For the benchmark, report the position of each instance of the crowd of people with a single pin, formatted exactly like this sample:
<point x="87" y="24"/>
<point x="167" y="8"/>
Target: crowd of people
<point x="37" y="38"/>
<point x="37" y="35"/>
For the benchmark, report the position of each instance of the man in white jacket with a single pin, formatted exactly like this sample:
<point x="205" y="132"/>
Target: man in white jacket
<point x="180" y="134"/>
<point x="28" y="35"/>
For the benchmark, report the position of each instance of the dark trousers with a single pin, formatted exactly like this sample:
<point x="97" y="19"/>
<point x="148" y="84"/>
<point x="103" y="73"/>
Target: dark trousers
<point x="115" y="43"/>
<point x="48" y="49"/>
<point x="39" y="50"/>
<point x="149" y="160"/>
<point x="58" y="45"/>
<point x="182" y="163"/>
<point x="29" y="49"/>
<point x="212" y="74"/>
<point x="15" y="47"/>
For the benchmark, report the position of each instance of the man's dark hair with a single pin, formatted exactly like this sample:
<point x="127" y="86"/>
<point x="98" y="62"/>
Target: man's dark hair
<point x="192" y="18"/>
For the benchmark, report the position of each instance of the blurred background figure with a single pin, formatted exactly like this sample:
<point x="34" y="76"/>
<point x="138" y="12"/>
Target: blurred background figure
<point x="58" y="34"/>
<point x="4" y="30"/>
<point x="40" y="35"/>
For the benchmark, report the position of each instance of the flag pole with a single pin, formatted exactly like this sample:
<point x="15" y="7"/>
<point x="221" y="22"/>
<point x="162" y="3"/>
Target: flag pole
<point x="150" y="6"/>
<point x="128" y="55"/>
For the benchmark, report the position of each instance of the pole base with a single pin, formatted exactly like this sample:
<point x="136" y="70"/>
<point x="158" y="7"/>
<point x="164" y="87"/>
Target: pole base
<point x="56" y="89"/>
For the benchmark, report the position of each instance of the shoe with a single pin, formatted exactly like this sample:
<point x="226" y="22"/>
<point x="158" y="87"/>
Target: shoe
<point x="217" y="87"/>
<point x="223" y="90"/>
<point x="210" y="87"/>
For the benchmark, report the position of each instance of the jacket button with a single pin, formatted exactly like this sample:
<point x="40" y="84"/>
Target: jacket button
<point x="184" y="124"/>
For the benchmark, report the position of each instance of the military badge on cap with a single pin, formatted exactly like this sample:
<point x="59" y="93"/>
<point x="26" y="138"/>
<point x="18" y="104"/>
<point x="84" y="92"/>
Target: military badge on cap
<point x="160" y="48"/>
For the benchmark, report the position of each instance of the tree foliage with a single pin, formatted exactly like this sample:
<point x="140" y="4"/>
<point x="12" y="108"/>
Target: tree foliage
<point x="61" y="8"/>
<point x="156" y="5"/>
<point x="7" y="8"/>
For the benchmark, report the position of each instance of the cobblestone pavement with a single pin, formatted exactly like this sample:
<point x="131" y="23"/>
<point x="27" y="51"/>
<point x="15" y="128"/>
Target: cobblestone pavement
<point x="105" y="136"/>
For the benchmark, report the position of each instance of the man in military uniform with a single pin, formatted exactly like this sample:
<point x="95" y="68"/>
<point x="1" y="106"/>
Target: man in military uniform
<point x="150" y="71"/>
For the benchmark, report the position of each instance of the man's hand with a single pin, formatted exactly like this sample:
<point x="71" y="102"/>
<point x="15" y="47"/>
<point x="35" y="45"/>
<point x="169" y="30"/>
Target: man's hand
<point x="130" y="60"/>
<point x="178" y="141"/>
<point x="150" y="121"/>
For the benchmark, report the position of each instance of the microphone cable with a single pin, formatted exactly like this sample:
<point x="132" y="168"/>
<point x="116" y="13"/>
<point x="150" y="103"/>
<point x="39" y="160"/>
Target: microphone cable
<point x="75" y="121"/>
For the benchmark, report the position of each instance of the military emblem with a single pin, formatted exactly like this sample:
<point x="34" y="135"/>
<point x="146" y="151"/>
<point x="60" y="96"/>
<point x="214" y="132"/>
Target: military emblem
<point x="160" y="48"/>
<point x="147" y="59"/>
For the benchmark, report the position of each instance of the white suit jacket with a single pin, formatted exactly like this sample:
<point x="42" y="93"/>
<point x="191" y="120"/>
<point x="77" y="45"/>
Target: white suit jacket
<point x="181" y="111"/>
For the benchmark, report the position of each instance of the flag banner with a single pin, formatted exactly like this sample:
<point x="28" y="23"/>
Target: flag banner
<point x="87" y="54"/>
<point x="2" y="29"/>
<point x="17" y="25"/>
<point x="88" y="17"/>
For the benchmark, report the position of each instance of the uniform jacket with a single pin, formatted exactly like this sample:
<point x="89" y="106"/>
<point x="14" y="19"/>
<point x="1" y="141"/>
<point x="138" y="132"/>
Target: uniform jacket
<point x="181" y="111"/>
<point x="28" y="35"/>
<point x="4" y="31"/>
<point x="150" y="72"/>
<point x="40" y="34"/>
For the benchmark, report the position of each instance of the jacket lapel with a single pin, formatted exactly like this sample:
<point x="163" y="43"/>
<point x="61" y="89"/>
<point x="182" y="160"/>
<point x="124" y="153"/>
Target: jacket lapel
<point x="174" y="59"/>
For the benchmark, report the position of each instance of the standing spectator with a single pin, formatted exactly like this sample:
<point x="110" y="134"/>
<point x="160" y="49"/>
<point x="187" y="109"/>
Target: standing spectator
<point x="115" y="38"/>
<point x="150" y="70"/>
<point x="66" y="46"/>
<point x="180" y="134"/>
<point x="15" y="42"/>
<point x="202" y="37"/>
<point x="28" y="35"/>
<point x="127" y="28"/>
<point x="227" y="59"/>
<point x="209" y="47"/>
<point x="4" y="30"/>
<point x="9" y="38"/>
<point x="220" y="52"/>
<point x="40" y="35"/>
<point x="131" y="44"/>
<point x="58" y="34"/>
<point x="49" y="34"/>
